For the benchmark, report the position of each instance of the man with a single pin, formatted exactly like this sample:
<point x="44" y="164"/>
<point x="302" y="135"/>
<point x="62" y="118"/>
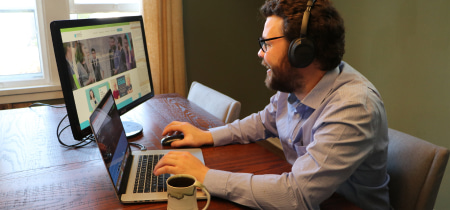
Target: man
<point x="112" y="53"/>
<point x="68" y="52"/>
<point x="120" y="58"/>
<point x="98" y="72"/>
<point x="129" y="53"/>
<point x="330" y="120"/>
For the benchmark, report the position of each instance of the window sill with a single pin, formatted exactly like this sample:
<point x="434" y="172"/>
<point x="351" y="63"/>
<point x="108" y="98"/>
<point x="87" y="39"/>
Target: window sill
<point x="27" y="94"/>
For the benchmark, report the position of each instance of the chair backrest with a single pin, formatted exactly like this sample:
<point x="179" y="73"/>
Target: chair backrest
<point x="216" y="103"/>
<point x="416" y="168"/>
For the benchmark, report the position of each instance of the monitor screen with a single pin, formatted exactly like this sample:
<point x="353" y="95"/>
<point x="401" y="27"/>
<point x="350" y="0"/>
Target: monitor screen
<point x="97" y="55"/>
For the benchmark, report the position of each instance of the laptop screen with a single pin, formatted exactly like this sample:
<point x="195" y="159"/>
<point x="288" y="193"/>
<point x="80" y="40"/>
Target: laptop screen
<point x="111" y="139"/>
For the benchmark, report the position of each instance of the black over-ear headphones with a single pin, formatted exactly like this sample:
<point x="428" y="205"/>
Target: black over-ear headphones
<point x="301" y="50"/>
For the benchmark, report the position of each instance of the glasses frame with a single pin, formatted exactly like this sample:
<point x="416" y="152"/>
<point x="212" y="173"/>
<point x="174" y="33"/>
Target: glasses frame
<point x="262" y="42"/>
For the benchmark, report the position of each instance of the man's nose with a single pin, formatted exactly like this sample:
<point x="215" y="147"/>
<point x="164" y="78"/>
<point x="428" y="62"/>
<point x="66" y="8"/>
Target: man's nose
<point x="261" y="53"/>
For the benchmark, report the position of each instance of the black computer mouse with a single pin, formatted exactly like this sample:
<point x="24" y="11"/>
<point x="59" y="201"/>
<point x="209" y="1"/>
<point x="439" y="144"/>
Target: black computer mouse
<point x="167" y="140"/>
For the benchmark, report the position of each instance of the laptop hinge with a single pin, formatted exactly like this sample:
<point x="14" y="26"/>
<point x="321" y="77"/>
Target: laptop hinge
<point x="126" y="174"/>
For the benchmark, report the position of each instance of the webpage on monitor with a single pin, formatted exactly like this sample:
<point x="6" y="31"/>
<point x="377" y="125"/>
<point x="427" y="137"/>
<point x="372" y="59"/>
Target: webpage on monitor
<point x="103" y="57"/>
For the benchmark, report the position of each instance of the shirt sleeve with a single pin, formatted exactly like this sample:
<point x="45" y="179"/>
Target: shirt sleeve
<point x="255" y="127"/>
<point x="255" y="191"/>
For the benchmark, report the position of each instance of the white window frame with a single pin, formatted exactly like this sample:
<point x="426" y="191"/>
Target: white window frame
<point x="49" y="86"/>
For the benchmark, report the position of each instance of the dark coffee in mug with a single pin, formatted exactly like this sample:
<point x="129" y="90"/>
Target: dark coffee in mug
<point x="181" y="182"/>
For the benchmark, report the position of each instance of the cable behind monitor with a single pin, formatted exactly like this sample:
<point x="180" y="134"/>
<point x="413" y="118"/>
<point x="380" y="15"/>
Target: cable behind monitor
<point x="83" y="142"/>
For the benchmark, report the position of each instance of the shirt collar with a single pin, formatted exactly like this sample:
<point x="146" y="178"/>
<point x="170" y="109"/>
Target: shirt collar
<point x="296" y="106"/>
<point x="314" y="98"/>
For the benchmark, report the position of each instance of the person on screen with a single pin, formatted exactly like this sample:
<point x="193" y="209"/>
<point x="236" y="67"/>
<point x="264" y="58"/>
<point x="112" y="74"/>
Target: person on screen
<point x="129" y="85"/>
<point x="112" y="53"/>
<point x="92" y="99"/>
<point x="120" y="56"/>
<point x="129" y="54"/>
<point x="98" y="72"/>
<point x="68" y="51"/>
<point x="330" y="120"/>
<point x="115" y="91"/>
<point x="85" y="71"/>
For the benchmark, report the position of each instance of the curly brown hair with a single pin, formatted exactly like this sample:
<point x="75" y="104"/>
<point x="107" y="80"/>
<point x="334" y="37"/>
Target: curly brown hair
<point x="326" y="27"/>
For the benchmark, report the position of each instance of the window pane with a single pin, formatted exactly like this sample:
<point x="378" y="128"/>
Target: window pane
<point x="105" y="1"/>
<point x="21" y="4"/>
<point x="20" y="48"/>
<point x="83" y="9"/>
<point x="102" y="15"/>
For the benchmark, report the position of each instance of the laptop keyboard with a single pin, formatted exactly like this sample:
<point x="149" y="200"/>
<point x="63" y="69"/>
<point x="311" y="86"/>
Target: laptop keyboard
<point x="146" y="181"/>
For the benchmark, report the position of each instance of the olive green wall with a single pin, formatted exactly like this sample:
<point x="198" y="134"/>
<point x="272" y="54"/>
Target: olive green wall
<point x="221" y="44"/>
<point x="402" y="46"/>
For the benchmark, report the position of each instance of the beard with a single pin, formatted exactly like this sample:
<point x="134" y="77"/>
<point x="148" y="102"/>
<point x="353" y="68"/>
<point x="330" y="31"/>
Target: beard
<point x="281" y="78"/>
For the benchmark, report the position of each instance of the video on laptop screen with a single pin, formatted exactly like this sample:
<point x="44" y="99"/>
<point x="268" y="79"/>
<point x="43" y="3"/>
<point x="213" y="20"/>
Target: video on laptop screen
<point x="102" y="57"/>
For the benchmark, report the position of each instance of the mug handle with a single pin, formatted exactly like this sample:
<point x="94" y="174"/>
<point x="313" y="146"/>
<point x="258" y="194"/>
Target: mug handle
<point x="208" y="196"/>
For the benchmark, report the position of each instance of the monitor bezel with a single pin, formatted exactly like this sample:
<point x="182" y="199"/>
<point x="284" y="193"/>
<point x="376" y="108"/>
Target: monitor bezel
<point x="65" y="77"/>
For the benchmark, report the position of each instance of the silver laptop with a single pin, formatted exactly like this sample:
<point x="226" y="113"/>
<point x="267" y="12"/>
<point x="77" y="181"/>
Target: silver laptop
<point x="131" y="172"/>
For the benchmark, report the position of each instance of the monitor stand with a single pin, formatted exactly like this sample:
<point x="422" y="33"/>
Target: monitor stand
<point x="132" y="129"/>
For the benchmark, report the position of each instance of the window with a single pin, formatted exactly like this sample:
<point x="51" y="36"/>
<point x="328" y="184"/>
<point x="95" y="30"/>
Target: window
<point x="80" y="9"/>
<point x="28" y="71"/>
<point x="19" y="42"/>
<point x="21" y="47"/>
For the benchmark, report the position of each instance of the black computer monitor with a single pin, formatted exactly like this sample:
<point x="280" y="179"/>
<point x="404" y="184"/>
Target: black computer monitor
<point x="96" y="55"/>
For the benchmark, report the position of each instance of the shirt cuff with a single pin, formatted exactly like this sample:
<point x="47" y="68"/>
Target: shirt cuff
<point x="220" y="135"/>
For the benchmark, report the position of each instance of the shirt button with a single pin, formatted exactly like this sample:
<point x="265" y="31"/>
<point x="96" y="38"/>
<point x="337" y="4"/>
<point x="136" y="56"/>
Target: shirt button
<point x="290" y="141"/>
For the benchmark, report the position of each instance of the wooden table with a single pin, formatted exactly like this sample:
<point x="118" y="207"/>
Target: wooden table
<point x="36" y="172"/>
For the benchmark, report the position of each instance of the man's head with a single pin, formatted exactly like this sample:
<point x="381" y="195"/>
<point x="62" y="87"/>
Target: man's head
<point x="325" y="27"/>
<point x="94" y="54"/>
<point x="280" y="74"/>
<point x="112" y="42"/>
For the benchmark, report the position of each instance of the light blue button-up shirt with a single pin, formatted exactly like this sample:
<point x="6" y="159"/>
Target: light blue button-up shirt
<point x="335" y="138"/>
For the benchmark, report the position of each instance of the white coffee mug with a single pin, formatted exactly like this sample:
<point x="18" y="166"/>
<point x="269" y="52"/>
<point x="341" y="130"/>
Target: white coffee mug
<point x="182" y="192"/>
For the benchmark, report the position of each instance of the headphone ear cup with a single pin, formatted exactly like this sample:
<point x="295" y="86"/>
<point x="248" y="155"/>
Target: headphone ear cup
<point x="301" y="52"/>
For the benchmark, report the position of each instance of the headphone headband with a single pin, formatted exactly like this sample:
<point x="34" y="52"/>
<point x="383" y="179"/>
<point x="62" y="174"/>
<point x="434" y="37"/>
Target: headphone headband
<point x="305" y="20"/>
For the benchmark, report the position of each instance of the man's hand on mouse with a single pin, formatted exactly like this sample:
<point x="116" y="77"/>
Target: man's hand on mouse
<point x="193" y="136"/>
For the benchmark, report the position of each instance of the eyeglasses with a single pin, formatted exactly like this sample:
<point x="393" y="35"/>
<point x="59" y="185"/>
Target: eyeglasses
<point x="263" y="44"/>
